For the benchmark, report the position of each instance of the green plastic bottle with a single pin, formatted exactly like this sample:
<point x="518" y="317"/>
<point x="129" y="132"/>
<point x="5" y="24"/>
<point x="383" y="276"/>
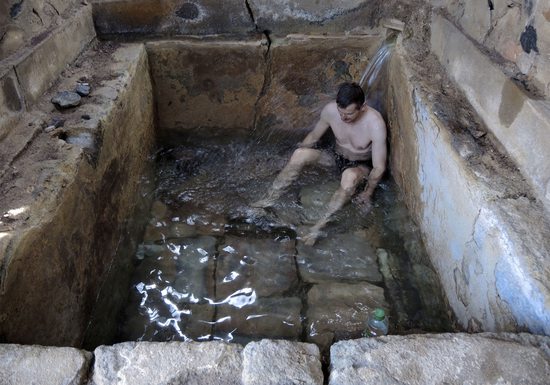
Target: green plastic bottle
<point x="377" y="323"/>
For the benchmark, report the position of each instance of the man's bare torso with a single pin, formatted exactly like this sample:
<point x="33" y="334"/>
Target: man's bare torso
<point x="353" y="139"/>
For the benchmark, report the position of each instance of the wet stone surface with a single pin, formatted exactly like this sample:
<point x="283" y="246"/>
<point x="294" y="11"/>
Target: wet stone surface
<point x="263" y="318"/>
<point x="210" y="268"/>
<point x="339" y="257"/>
<point x="340" y="310"/>
<point x="265" y="265"/>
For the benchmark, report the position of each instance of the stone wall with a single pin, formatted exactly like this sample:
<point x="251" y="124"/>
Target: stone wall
<point x="483" y="230"/>
<point x="22" y="23"/>
<point x="519" y="121"/>
<point x="28" y="68"/>
<point x="240" y="17"/>
<point x="248" y="84"/>
<point x="172" y="17"/>
<point x="516" y="32"/>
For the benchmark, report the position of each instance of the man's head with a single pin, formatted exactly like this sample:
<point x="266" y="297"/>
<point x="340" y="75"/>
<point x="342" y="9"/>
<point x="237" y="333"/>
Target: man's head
<point x="349" y="101"/>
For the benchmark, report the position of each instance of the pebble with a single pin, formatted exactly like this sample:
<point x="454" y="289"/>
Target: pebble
<point x="83" y="89"/>
<point x="49" y="129"/>
<point x="66" y="99"/>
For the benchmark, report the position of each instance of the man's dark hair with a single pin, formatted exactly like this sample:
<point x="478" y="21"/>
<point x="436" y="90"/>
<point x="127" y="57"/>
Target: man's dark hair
<point x="349" y="93"/>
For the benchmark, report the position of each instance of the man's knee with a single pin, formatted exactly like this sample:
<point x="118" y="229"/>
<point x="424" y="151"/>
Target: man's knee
<point x="304" y="156"/>
<point x="351" y="178"/>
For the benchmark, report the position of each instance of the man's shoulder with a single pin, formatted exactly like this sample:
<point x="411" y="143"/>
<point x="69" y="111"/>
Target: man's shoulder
<point x="375" y="119"/>
<point x="329" y="111"/>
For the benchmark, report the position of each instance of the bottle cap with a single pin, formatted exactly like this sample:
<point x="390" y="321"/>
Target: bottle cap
<point x="379" y="314"/>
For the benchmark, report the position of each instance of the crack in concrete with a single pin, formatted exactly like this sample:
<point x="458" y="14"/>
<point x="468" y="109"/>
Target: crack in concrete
<point x="251" y="14"/>
<point x="54" y="8"/>
<point x="472" y="234"/>
<point x="38" y="15"/>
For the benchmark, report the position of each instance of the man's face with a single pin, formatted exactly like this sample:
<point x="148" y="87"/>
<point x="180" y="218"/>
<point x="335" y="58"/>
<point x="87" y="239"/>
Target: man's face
<point x="350" y="113"/>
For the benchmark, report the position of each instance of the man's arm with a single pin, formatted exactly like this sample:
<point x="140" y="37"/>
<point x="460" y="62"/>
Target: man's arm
<point x="320" y="128"/>
<point x="379" y="154"/>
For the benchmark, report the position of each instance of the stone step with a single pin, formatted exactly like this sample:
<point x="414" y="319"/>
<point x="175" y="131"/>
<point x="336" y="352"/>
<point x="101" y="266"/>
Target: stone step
<point x="486" y="358"/>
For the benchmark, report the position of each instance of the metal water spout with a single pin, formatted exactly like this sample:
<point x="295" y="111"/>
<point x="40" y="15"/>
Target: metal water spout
<point x="393" y="26"/>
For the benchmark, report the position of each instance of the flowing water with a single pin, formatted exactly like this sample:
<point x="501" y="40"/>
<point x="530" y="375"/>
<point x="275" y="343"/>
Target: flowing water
<point x="209" y="267"/>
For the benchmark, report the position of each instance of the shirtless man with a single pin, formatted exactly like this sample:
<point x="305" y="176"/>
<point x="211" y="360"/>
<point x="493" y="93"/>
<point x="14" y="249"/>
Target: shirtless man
<point x="360" y="135"/>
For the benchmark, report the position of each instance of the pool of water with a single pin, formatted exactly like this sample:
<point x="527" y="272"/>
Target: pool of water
<point x="209" y="267"/>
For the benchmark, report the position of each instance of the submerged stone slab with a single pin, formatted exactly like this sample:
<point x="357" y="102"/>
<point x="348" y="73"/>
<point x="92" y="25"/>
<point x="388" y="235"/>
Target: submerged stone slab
<point x="195" y="263"/>
<point x="263" y="265"/>
<point x="338" y="257"/>
<point x="315" y="199"/>
<point x="157" y="321"/>
<point x="260" y="318"/>
<point x="137" y="363"/>
<point x="163" y="231"/>
<point x="485" y="358"/>
<point x="43" y="365"/>
<point x="340" y="310"/>
<point x="269" y="362"/>
<point x="203" y="221"/>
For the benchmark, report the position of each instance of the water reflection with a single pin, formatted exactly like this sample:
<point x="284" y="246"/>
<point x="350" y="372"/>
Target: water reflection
<point x="208" y="270"/>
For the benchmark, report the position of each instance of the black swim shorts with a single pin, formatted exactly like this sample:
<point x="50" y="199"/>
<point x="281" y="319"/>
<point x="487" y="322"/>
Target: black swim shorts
<point x="343" y="163"/>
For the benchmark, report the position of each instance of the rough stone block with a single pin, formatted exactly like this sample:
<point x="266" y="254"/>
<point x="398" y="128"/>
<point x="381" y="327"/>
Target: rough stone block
<point x="43" y="365"/>
<point x="170" y="17"/>
<point x="301" y="84"/>
<point x="340" y="310"/>
<point x="138" y="363"/>
<point x="12" y="103"/>
<point x="195" y="88"/>
<point x="264" y="265"/>
<point x="505" y="108"/>
<point x="269" y="362"/>
<point x="339" y="257"/>
<point x="252" y="318"/>
<point x="285" y="17"/>
<point x="38" y="70"/>
<point x="485" y="358"/>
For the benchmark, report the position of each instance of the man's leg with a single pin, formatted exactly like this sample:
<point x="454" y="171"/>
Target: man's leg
<point x="300" y="158"/>
<point x="351" y="177"/>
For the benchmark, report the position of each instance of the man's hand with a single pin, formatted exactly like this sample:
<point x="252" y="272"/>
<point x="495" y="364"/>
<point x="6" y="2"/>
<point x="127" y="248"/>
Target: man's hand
<point x="304" y="144"/>
<point x="364" y="200"/>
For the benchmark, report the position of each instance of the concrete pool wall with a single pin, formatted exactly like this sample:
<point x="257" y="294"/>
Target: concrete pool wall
<point x="486" y="228"/>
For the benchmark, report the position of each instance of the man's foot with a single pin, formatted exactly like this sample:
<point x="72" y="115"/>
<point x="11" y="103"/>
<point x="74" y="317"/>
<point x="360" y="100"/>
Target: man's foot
<point x="310" y="238"/>
<point x="264" y="203"/>
<point x="364" y="203"/>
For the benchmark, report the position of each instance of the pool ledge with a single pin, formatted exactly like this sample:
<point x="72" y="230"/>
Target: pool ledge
<point x="67" y="192"/>
<point x="411" y="359"/>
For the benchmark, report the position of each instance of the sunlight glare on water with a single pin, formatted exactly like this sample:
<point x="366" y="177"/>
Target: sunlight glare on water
<point x="209" y="267"/>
